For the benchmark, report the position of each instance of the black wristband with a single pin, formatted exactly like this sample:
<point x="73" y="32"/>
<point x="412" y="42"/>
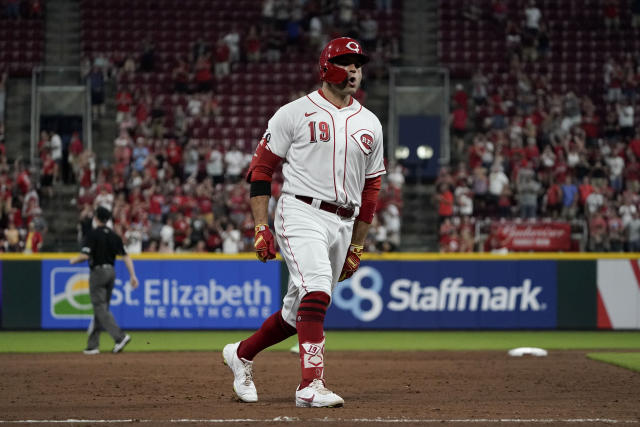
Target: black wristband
<point x="260" y="188"/>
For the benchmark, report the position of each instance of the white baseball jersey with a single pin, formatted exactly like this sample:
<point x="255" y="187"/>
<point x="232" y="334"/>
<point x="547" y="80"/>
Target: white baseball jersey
<point x="328" y="151"/>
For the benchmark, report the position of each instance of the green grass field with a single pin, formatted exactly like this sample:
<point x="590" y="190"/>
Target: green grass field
<point x="72" y="341"/>
<point x="624" y="360"/>
<point x="601" y="341"/>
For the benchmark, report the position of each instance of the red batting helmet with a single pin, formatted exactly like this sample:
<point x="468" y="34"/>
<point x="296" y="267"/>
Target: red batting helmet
<point x="338" y="47"/>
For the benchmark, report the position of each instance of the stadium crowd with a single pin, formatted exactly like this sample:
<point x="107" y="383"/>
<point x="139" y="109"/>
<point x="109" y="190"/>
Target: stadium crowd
<point x="176" y="182"/>
<point x="530" y="148"/>
<point x="22" y="227"/>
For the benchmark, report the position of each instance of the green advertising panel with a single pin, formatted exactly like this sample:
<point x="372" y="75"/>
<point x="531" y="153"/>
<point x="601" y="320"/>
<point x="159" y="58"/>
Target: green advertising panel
<point x="21" y="294"/>
<point x="577" y="294"/>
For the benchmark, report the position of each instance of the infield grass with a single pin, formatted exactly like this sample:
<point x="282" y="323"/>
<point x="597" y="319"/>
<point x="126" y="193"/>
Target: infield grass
<point x="75" y="341"/>
<point x="625" y="360"/>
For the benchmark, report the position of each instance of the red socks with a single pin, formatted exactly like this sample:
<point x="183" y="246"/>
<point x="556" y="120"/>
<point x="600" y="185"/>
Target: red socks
<point x="272" y="331"/>
<point x="310" y="326"/>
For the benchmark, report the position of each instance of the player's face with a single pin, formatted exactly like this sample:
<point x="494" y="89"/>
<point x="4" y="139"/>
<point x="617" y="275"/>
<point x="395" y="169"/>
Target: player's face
<point x="353" y="66"/>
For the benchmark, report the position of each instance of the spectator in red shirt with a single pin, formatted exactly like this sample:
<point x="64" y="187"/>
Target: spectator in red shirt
<point x="49" y="169"/>
<point x="23" y="180"/>
<point x="252" y="45"/>
<point x="611" y="15"/>
<point x="553" y="200"/>
<point x="585" y="189"/>
<point x="477" y="152"/>
<point x="75" y="151"/>
<point x="598" y="241"/>
<point x="459" y="119"/>
<point x="223" y="57"/>
<point x="635" y="144"/>
<point x="181" y="232"/>
<point x="447" y="234"/>
<point x="180" y="75"/>
<point x="532" y="153"/>
<point x="124" y="99"/>
<point x="203" y="74"/>
<point x="174" y="156"/>
<point x="460" y="97"/>
<point x="214" y="241"/>
<point x="445" y="201"/>
<point x="35" y="9"/>
<point x="632" y="173"/>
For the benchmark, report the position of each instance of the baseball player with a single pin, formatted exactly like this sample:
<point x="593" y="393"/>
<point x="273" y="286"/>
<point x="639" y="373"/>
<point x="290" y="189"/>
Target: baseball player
<point x="332" y="151"/>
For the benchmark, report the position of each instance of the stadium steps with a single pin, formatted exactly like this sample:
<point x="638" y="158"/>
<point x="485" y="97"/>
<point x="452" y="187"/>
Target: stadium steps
<point x="420" y="33"/>
<point x="105" y="129"/>
<point x="18" y="118"/>
<point x="419" y="219"/>
<point x="419" y="47"/>
<point x="61" y="217"/>
<point x="62" y="36"/>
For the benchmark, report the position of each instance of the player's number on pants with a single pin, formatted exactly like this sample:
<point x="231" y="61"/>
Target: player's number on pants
<point x="324" y="133"/>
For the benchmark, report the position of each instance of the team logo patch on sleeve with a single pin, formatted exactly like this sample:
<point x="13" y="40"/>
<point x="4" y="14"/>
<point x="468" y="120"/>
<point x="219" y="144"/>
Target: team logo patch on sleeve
<point x="364" y="139"/>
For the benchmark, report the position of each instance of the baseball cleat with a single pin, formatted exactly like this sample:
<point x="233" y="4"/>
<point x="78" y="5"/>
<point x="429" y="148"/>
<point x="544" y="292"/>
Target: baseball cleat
<point x="316" y="395"/>
<point x="242" y="370"/>
<point x="121" y="344"/>
<point x="91" y="351"/>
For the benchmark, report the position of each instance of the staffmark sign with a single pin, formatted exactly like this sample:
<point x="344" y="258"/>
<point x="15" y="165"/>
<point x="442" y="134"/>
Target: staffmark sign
<point x="449" y="294"/>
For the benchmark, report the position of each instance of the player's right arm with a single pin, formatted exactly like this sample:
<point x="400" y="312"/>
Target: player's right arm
<point x="259" y="175"/>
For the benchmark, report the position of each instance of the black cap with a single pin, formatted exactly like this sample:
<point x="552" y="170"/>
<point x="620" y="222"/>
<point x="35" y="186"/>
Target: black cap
<point x="103" y="214"/>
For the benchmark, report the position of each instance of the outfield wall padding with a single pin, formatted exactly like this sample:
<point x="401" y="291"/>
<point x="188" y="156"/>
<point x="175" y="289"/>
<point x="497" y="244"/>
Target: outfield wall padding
<point x="21" y="295"/>
<point x="577" y="295"/>
<point x="390" y="291"/>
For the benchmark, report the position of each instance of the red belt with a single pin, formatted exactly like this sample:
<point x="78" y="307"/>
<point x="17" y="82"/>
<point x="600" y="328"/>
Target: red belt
<point x="329" y="207"/>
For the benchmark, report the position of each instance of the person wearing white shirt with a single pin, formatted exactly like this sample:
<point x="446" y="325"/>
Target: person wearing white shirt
<point x="56" y="148"/>
<point x="594" y="201"/>
<point x="625" y="119"/>
<point x="616" y="166"/>
<point x="166" y="236"/>
<point x="532" y="17"/>
<point x="215" y="167"/>
<point x="497" y="180"/>
<point x="231" y="240"/>
<point x="235" y="162"/>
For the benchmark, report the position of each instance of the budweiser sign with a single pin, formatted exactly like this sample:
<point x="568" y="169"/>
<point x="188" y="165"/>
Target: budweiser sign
<point x="554" y="236"/>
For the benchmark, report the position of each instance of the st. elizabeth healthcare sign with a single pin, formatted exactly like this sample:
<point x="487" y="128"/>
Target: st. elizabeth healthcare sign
<point x="178" y="294"/>
<point x="447" y="294"/>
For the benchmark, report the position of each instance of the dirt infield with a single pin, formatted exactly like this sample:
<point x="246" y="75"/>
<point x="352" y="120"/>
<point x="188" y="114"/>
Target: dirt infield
<point x="426" y="387"/>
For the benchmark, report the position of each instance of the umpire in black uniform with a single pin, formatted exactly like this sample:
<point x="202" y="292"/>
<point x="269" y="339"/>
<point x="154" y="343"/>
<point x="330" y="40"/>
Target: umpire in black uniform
<point x="101" y="246"/>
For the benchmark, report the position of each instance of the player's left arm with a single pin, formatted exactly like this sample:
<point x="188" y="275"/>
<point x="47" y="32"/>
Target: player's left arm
<point x="361" y="227"/>
<point x="374" y="170"/>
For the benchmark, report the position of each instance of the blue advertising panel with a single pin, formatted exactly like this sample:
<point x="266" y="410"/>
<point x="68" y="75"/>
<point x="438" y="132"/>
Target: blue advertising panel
<point x="190" y="294"/>
<point x="447" y="295"/>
